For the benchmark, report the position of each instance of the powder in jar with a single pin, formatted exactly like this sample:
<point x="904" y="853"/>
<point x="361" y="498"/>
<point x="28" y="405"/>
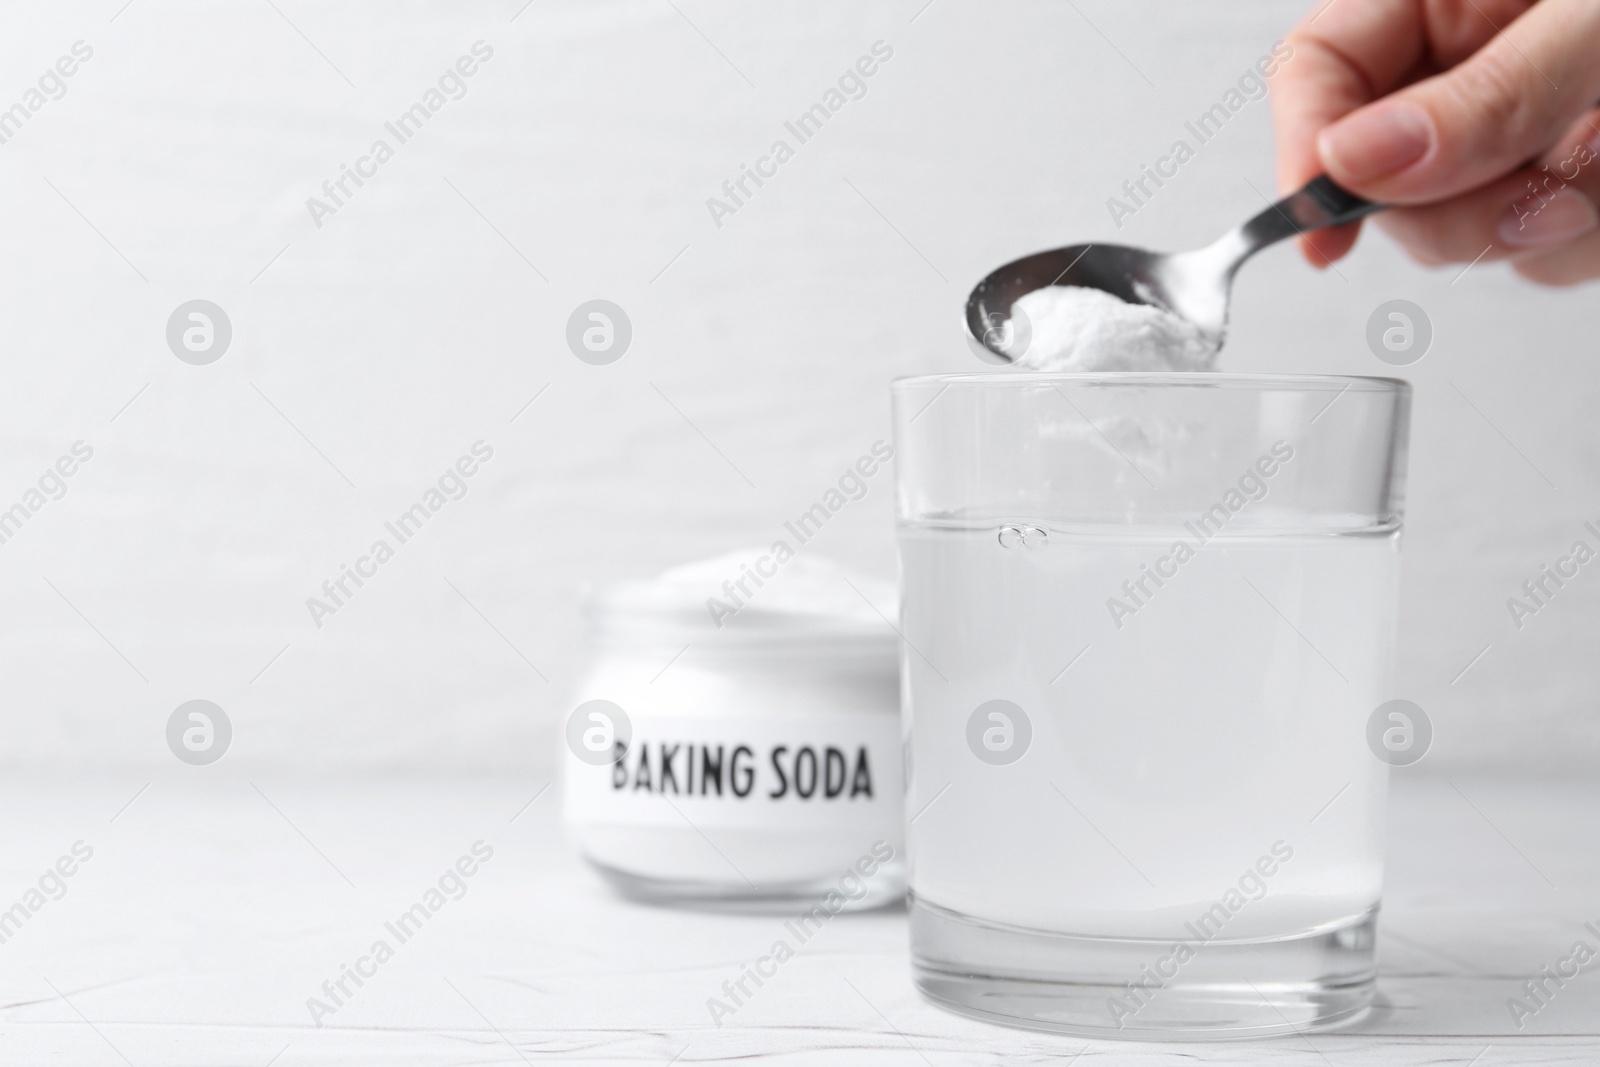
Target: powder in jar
<point x="742" y="757"/>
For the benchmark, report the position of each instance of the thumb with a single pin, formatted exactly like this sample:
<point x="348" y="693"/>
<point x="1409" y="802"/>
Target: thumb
<point x="1455" y="131"/>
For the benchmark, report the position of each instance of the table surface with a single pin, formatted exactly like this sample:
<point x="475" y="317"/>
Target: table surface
<point x="212" y="908"/>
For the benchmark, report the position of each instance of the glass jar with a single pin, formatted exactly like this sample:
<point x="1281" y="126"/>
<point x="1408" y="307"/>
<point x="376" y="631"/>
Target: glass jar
<point x="736" y="738"/>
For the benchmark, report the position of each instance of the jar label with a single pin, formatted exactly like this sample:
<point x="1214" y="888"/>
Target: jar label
<point x="766" y="770"/>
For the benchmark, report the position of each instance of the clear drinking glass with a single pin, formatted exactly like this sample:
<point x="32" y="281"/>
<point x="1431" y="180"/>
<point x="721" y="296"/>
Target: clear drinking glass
<point x="1147" y="618"/>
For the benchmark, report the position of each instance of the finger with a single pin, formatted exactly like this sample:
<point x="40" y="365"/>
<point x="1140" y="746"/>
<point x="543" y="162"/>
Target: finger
<point x="1533" y="209"/>
<point x="1560" y="203"/>
<point x="1458" y="230"/>
<point x="1458" y="130"/>
<point x="1574" y="262"/>
<point x="1322" y="247"/>
<point x="1343" y="56"/>
<point x="1339" y="58"/>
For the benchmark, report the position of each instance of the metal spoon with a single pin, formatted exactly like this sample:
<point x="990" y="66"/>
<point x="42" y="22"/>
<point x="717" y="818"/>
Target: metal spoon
<point x="1193" y="285"/>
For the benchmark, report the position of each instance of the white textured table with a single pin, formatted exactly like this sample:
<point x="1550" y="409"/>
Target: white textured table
<point x="212" y="909"/>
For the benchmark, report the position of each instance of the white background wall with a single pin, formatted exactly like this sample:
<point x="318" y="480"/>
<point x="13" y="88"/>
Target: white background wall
<point x="408" y="327"/>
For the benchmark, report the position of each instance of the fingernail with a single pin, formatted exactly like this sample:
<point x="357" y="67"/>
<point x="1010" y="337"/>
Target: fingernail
<point x="1376" y="141"/>
<point x="1534" y="223"/>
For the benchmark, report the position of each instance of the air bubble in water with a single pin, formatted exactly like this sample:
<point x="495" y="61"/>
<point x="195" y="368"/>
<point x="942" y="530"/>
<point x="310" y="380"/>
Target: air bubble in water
<point x="1031" y="537"/>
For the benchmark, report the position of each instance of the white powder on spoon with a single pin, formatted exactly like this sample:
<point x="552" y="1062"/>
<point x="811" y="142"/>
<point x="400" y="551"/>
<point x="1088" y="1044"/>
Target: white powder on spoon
<point x="1070" y="328"/>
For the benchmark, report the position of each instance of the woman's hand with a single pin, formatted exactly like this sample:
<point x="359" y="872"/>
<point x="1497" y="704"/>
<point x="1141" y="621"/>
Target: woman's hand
<point x="1477" y="118"/>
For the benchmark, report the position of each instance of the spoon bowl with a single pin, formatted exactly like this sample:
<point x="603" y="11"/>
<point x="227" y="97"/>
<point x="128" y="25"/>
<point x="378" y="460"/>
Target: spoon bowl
<point x="1192" y="285"/>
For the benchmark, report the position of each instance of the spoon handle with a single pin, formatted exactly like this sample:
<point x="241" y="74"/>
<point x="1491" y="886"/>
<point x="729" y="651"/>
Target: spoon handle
<point x="1320" y="203"/>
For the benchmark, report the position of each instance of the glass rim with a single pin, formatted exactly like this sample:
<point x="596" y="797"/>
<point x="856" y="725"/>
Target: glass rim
<point x="1192" y="379"/>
